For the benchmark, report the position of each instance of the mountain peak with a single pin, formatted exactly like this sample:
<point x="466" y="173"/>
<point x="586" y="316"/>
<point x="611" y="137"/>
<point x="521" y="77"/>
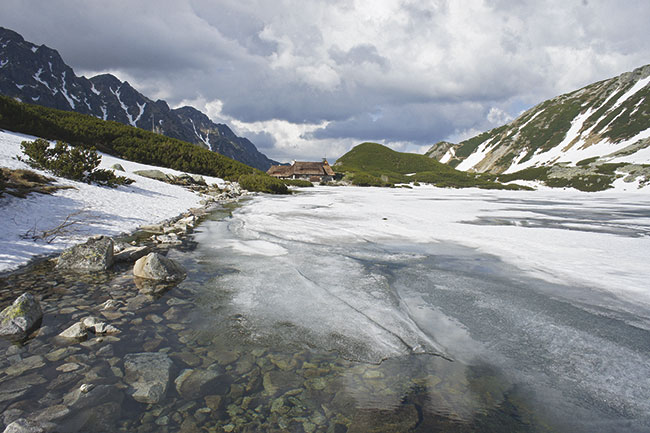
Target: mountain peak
<point x="38" y="75"/>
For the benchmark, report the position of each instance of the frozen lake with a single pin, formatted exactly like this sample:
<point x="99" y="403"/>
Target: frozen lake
<point x="546" y="291"/>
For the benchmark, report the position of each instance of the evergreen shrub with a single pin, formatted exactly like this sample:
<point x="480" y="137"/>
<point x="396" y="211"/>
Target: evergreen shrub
<point x="71" y="162"/>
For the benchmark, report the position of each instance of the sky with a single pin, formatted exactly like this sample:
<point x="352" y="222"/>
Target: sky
<point x="308" y="79"/>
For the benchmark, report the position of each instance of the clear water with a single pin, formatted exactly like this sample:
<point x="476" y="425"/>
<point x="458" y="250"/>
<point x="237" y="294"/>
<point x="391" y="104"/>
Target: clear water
<point x="315" y="337"/>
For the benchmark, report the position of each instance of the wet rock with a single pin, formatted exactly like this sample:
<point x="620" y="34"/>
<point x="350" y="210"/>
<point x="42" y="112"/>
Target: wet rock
<point x="95" y="255"/>
<point x="402" y="419"/>
<point x="16" y="388"/>
<point x="94" y="409"/>
<point x="59" y="354"/>
<point x="278" y="380"/>
<point x="96" y="326"/>
<point x="26" y="364"/>
<point x="214" y="402"/>
<point x="22" y="316"/>
<point x="131" y="254"/>
<point x="23" y="425"/>
<point x="148" y="375"/>
<point x="75" y="332"/>
<point x="193" y="383"/>
<point x="157" y="267"/>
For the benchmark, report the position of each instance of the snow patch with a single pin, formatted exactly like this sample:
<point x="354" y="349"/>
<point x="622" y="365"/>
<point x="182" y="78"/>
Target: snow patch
<point x="3" y="63"/>
<point x="627" y="95"/>
<point x="20" y="86"/>
<point x="34" y="49"/>
<point x="94" y="90"/>
<point x="37" y="77"/>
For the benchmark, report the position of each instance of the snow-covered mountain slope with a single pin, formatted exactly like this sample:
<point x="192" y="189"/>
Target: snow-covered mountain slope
<point x="38" y="75"/>
<point x="99" y="210"/>
<point x="608" y="121"/>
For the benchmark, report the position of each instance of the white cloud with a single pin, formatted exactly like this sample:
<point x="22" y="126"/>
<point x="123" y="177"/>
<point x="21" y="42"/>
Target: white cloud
<point x="298" y="66"/>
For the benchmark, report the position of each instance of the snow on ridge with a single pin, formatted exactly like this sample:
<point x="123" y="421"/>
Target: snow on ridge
<point x="635" y="88"/>
<point x="64" y="91"/>
<point x="34" y="49"/>
<point x="141" y="107"/>
<point x="122" y="104"/>
<point x="37" y="77"/>
<point x="94" y="90"/>
<point x="20" y="86"/>
<point x="205" y="140"/>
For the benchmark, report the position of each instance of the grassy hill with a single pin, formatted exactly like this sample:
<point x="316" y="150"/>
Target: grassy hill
<point x="129" y="143"/>
<point x="371" y="164"/>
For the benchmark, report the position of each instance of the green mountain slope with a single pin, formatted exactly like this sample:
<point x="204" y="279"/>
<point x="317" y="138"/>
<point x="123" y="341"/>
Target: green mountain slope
<point x="127" y="142"/>
<point x="371" y="164"/>
<point x="607" y="121"/>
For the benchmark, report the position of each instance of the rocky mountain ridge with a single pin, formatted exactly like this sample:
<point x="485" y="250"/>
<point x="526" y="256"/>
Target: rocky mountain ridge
<point x="604" y="122"/>
<point x="38" y="75"/>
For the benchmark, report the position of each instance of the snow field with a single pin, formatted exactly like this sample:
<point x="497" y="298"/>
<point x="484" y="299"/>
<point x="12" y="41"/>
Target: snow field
<point x="108" y="211"/>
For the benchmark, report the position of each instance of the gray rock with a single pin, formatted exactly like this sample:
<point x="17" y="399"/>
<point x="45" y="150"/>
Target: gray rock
<point x="22" y="425"/>
<point x="157" y="267"/>
<point x="131" y="254"/>
<point x="95" y="255"/>
<point x="117" y="167"/>
<point x="75" y="332"/>
<point x="192" y="384"/>
<point x="153" y="174"/>
<point x="18" y="319"/>
<point x="148" y="375"/>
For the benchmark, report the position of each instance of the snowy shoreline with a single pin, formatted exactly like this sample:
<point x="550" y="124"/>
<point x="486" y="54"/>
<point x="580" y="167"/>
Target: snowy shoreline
<point x="100" y="210"/>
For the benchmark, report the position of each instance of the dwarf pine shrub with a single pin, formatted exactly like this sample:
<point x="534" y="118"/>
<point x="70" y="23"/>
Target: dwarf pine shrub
<point x="71" y="162"/>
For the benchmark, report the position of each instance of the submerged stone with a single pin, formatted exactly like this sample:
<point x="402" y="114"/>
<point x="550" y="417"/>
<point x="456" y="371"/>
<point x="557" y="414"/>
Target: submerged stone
<point x="21" y="317"/>
<point x="149" y="375"/>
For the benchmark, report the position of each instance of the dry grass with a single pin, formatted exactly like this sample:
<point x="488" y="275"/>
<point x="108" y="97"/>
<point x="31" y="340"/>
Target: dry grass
<point x="20" y="183"/>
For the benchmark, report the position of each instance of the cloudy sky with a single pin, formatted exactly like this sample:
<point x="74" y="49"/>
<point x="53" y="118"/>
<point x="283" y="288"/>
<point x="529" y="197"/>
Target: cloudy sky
<point x="305" y="79"/>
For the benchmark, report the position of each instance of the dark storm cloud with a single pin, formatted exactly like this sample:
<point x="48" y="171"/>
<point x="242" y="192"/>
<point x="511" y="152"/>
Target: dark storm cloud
<point x="336" y="72"/>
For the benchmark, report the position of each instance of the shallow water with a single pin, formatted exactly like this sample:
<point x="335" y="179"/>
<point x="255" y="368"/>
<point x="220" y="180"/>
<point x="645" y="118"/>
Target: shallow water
<point x="319" y="336"/>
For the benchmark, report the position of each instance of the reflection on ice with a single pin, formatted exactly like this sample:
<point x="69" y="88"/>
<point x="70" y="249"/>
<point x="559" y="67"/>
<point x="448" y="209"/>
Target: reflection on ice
<point x="317" y="297"/>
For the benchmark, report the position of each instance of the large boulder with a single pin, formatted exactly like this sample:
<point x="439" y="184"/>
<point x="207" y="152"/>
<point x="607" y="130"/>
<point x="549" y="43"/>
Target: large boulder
<point x="131" y="254"/>
<point x="153" y="174"/>
<point x="154" y="266"/>
<point x="95" y="255"/>
<point x="148" y="375"/>
<point x="18" y="319"/>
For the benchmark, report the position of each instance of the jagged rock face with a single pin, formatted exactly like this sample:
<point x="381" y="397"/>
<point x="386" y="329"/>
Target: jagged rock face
<point x="38" y="75"/>
<point x="605" y="120"/>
